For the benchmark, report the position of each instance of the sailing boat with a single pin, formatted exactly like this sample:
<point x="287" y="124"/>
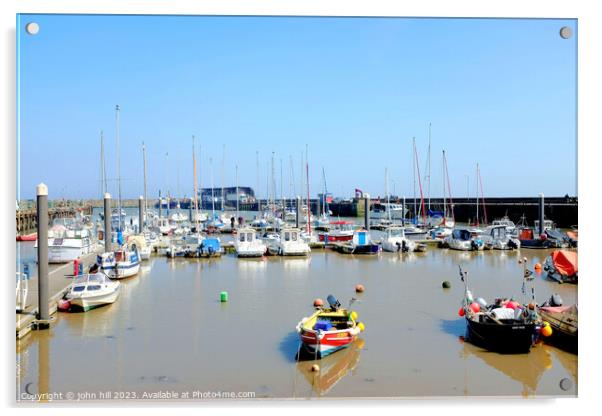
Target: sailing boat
<point x="125" y="261"/>
<point x="323" y="221"/>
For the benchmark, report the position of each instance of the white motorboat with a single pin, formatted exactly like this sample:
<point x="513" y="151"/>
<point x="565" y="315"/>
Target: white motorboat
<point x="464" y="240"/>
<point x="92" y="290"/>
<point x="387" y="211"/>
<point x="396" y="240"/>
<point x="415" y="233"/>
<point x="67" y="241"/>
<point x="506" y="222"/>
<point x="120" y="264"/>
<point x="247" y="244"/>
<point x="290" y="243"/>
<point x="165" y="226"/>
<point x="497" y="237"/>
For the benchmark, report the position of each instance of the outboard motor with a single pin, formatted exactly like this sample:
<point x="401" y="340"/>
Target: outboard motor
<point x="333" y="302"/>
<point x="555" y="300"/>
<point x="512" y="244"/>
<point x="474" y="245"/>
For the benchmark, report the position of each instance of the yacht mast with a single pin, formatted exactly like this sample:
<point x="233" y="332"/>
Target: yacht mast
<point x="237" y="196"/>
<point x="477" y="193"/>
<point x="103" y="168"/>
<point x="195" y="190"/>
<point x="222" y="175"/>
<point x="212" y="192"/>
<point x="414" y="174"/>
<point x="118" y="164"/>
<point x="145" y="189"/>
<point x="387" y="193"/>
<point x="257" y="190"/>
<point x="443" y="176"/>
<point x="429" y="169"/>
<point x="308" y="201"/>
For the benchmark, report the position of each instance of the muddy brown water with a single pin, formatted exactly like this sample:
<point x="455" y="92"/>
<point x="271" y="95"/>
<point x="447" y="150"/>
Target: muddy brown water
<point x="169" y="332"/>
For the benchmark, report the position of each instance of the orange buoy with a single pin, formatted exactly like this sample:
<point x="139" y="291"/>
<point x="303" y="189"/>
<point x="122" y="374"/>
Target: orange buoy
<point x="318" y="303"/>
<point x="359" y="288"/>
<point x="537" y="266"/>
<point x="461" y="311"/>
<point x="475" y="307"/>
<point x="546" y="330"/>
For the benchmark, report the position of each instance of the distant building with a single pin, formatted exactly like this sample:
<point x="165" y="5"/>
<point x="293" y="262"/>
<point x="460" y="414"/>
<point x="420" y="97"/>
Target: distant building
<point x="246" y="195"/>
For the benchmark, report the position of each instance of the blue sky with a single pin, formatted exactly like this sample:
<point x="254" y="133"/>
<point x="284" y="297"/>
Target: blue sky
<point x="500" y="92"/>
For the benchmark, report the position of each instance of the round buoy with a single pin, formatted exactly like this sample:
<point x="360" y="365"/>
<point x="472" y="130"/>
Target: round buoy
<point x="546" y="330"/>
<point x="223" y="296"/>
<point x="315" y="368"/>
<point x="446" y="284"/>
<point x="353" y="316"/>
<point x="63" y="305"/>
<point x="531" y="306"/>
<point x="461" y="311"/>
<point x="361" y="326"/>
<point x="537" y="266"/>
<point x="318" y="303"/>
<point x="359" y="288"/>
<point x="475" y="307"/>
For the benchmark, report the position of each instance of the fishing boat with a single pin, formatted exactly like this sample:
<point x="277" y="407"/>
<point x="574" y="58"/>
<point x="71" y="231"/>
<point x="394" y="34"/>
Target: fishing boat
<point x="339" y="231"/>
<point x="361" y="243"/>
<point x="396" y="241"/>
<point x="247" y="244"/>
<point x="290" y="243"/>
<point x="92" y="290"/>
<point x="68" y="240"/>
<point x="561" y="266"/>
<point x="328" y="329"/>
<point x="497" y="237"/>
<point x="120" y="264"/>
<point x="564" y="323"/>
<point x="503" y="326"/>
<point x="464" y="240"/>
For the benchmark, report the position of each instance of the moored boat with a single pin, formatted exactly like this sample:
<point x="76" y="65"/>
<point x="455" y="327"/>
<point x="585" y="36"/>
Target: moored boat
<point x="339" y="231"/>
<point x="464" y="240"/>
<point x="564" y="323"/>
<point x="361" y="243"/>
<point x="329" y="329"/>
<point x="92" y="290"/>
<point x="27" y="237"/>
<point x="396" y="241"/>
<point x="562" y="266"/>
<point x="247" y="244"/>
<point x="121" y="263"/>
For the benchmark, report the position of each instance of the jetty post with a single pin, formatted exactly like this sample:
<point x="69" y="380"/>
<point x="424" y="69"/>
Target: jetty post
<point x="107" y="209"/>
<point x="541" y="213"/>
<point x="43" y="281"/>
<point x="367" y="212"/>
<point x="140" y="215"/>
<point x="298" y="212"/>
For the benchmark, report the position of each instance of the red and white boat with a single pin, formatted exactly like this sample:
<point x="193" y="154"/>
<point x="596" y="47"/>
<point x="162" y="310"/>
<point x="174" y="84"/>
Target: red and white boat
<point x="28" y="237"/>
<point x="340" y="231"/>
<point x="329" y="329"/>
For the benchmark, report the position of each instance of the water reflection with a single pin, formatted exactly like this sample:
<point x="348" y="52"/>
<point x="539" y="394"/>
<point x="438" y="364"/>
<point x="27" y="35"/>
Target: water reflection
<point x="527" y="369"/>
<point x="332" y="368"/>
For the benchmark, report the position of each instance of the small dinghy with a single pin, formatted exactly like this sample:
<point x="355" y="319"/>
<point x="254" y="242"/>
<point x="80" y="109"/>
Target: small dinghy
<point x="328" y="329"/>
<point x="90" y="291"/>
<point x="561" y="266"/>
<point x="564" y="322"/>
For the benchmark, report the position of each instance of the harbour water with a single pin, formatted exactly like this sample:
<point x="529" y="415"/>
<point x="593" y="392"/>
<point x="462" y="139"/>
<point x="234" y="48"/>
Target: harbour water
<point x="169" y="331"/>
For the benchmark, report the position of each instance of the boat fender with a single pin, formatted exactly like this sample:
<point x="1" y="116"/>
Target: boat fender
<point x="361" y="326"/>
<point x="555" y="300"/>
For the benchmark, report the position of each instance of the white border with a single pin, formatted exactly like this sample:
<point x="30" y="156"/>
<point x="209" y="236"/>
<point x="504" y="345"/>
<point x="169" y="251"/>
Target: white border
<point x="589" y="136"/>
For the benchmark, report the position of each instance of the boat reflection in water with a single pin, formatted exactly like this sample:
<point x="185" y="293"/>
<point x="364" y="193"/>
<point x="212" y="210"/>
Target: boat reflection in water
<point x="332" y="367"/>
<point x="527" y="369"/>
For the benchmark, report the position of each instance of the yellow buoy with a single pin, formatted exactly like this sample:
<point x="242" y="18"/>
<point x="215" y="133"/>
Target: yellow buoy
<point x="361" y="326"/>
<point x="353" y="315"/>
<point x="546" y="330"/>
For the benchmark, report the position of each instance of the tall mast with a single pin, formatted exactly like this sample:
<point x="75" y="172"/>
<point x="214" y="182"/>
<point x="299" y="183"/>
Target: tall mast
<point x="324" y="200"/>
<point x="482" y="197"/>
<point x="145" y="194"/>
<point x="200" y="184"/>
<point x="281" y="188"/>
<point x="257" y="190"/>
<point x="273" y="186"/>
<point x="292" y="181"/>
<point x="237" y="197"/>
<point x="118" y="163"/>
<point x="212" y="193"/>
<point x="387" y="192"/>
<point x="414" y="173"/>
<point x="195" y="190"/>
<point x="429" y="168"/>
<point x="477" y="193"/>
<point x="222" y="175"/>
<point x="443" y="176"/>
<point x="420" y="184"/>
<point x="451" y="201"/>
<point x="167" y="197"/>
<point x="307" y="180"/>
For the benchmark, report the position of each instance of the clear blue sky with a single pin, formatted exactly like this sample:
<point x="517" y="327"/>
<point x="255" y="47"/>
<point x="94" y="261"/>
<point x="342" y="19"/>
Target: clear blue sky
<point x="356" y="90"/>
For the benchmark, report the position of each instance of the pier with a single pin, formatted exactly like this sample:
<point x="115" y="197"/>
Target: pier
<point x="26" y="220"/>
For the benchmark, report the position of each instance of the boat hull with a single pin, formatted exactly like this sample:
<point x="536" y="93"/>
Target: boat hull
<point x="121" y="271"/>
<point x="325" y="343"/>
<point x="90" y="302"/>
<point x="510" y="338"/>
